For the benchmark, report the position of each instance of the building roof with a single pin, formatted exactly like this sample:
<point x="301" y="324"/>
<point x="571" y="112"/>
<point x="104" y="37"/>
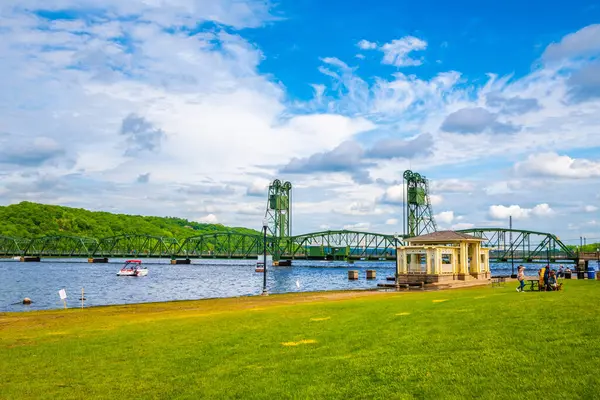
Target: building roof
<point x="443" y="236"/>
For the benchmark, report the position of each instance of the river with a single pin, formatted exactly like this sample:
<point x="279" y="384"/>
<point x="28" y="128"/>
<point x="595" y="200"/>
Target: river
<point x="41" y="281"/>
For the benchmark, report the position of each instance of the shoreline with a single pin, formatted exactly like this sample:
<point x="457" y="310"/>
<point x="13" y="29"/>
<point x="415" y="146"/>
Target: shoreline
<point x="278" y="298"/>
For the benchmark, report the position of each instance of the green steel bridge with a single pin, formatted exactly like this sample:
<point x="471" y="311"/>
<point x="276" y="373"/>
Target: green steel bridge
<point x="505" y="245"/>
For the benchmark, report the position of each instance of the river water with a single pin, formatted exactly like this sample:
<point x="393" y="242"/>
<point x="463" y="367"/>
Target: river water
<point x="41" y="281"/>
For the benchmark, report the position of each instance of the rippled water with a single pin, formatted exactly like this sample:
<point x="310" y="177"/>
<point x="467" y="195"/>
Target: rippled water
<point x="202" y="279"/>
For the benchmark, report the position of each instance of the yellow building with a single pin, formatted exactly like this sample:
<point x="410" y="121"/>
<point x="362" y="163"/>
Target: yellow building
<point x="442" y="257"/>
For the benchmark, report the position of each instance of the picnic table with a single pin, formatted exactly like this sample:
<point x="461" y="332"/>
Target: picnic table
<point x="534" y="284"/>
<point x="499" y="280"/>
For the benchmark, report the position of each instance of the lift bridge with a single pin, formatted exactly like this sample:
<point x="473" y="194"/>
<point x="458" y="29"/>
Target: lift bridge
<point x="505" y="244"/>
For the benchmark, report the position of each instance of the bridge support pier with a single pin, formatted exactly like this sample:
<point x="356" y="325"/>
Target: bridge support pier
<point x="30" y="259"/>
<point x="186" y="261"/>
<point x="98" y="260"/>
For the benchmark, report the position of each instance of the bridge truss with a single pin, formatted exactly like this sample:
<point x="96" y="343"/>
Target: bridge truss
<point x="527" y="246"/>
<point x="327" y="245"/>
<point x="337" y="245"/>
<point x="136" y="246"/>
<point x="60" y="246"/>
<point x="10" y="246"/>
<point x="223" y="245"/>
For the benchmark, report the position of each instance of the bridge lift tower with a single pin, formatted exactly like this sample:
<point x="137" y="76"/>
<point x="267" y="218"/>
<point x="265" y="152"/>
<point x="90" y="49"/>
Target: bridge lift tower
<point x="418" y="214"/>
<point x="279" y="214"/>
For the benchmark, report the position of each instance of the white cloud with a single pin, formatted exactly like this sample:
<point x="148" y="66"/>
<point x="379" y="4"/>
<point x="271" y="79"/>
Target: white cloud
<point x="445" y="217"/>
<point x="500" y="187"/>
<point x="208" y="219"/>
<point x="392" y="221"/>
<point x="560" y="166"/>
<point x="590" y="208"/>
<point x="335" y="61"/>
<point x="462" y="225"/>
<point x="452" y="186"/>
<point x="584" y="42"/>
<point x="436" y="199"/>
<point x="259" y="187"/>
<point x="366" y="45"/>
<point x="501" y="212"/>
<point x="397" y="52"/>
<point x="542" y="210"/>
<point x="394" y="194"/>
<point x="584" y="226"/>
<point x="173" y="13"/>
<point x="360" y="208"/>
<point x="360" y="226"/>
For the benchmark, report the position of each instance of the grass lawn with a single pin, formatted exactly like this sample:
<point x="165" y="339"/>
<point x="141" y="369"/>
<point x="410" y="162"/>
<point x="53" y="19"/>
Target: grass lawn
<point x="479" y="342"/>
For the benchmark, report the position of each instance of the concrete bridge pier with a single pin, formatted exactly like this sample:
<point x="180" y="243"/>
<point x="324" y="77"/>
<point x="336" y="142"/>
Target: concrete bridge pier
<point x="30" y="259"/>
<point x="186" y="261"/>
<point x="98" y="260"/>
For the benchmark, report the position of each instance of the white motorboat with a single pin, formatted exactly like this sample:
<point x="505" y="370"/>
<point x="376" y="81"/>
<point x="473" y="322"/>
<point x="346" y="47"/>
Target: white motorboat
<point x="260" y="265"/>
<point x="133" y="268"/>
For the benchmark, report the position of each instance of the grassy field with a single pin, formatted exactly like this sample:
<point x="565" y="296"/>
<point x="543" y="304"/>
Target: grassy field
<point x="478" y="342"/>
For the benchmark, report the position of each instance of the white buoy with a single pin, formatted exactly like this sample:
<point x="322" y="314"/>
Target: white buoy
<point x="297" y="283"/>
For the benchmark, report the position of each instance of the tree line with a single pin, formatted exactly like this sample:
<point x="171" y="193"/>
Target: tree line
<point x="29" y="220"/>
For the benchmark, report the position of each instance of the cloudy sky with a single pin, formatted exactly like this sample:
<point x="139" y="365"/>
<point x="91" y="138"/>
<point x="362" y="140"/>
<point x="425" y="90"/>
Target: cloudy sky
<point x="190" y="107"/>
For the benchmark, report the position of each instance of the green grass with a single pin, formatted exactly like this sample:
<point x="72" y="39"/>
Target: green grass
<point x="480" y="342"/>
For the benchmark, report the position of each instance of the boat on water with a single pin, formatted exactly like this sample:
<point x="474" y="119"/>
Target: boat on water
<point x="133" y="268"/>
<point x="260" y="265"/>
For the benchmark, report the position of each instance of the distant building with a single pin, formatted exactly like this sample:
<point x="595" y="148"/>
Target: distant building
<point x="442" y="257"/>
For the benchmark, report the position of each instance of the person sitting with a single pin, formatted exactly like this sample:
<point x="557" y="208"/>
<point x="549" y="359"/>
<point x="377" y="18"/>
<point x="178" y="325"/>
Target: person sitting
<point x="552" y="284"/>
<point x="561" y="272"/>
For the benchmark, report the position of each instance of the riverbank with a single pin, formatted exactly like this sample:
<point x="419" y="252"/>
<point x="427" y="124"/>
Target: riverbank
<point x="472" y="342"/>
<point x="165" y="282"/>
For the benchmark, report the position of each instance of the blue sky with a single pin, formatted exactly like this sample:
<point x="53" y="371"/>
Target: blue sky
<point x="190" y="109"/>
<point x="473" y="37"/>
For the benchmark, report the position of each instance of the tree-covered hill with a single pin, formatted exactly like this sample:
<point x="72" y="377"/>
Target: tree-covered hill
<point x="28" y="220"/>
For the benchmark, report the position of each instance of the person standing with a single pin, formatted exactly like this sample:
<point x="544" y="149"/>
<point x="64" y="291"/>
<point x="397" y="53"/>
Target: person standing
<point x="521" y="278"/>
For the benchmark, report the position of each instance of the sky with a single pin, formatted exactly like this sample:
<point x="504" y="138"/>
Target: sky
<point x="189" y="108"/>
